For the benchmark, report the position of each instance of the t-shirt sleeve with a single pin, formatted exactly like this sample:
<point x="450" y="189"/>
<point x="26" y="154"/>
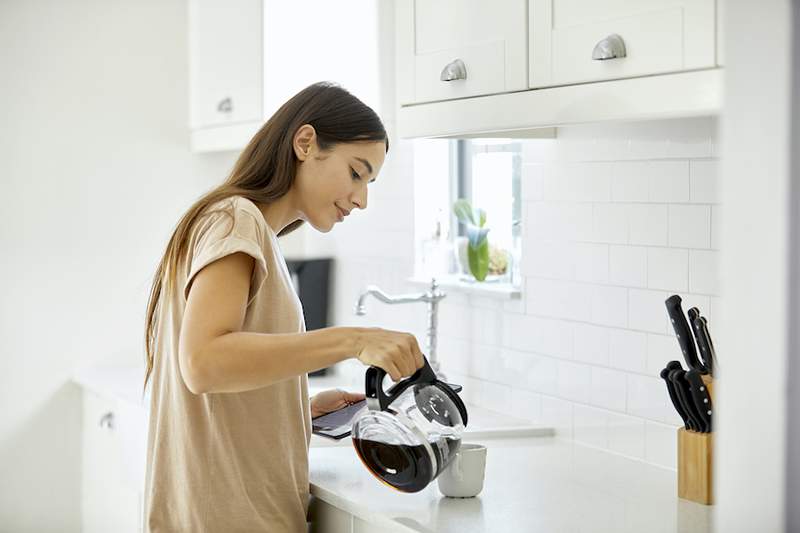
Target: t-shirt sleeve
<point x="223" y="233"/>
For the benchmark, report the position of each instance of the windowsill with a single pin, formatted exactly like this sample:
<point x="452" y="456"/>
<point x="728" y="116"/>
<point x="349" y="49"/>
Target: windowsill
<point x="490" y="289"/>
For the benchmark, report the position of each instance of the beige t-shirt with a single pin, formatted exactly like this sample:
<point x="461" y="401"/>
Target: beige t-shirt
<point x="229" y="462"/>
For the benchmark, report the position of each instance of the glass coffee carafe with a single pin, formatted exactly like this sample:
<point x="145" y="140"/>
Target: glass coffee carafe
<point x="409" y="434"/>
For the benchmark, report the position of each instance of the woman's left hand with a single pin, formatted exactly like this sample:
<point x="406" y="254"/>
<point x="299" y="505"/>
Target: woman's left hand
<point x="332" y="400"/>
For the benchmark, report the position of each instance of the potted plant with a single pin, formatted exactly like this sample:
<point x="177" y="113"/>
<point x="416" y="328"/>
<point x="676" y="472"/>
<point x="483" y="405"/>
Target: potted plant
<point x="474" y="219"/>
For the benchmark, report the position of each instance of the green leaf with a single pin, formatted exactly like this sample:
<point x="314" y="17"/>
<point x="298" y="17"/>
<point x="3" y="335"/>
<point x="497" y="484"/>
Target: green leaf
<point x="463" y="211"/>
<point x="482" y="217"/>
<point x="478" y="259"/>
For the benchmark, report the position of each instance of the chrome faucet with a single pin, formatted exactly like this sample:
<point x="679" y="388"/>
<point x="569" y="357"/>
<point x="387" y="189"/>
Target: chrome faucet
<point x="431" y="297"/>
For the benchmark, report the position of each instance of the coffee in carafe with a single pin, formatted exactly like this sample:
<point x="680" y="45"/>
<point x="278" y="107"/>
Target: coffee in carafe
<point x="407" y="468"/>
<point x="410" y="433"/>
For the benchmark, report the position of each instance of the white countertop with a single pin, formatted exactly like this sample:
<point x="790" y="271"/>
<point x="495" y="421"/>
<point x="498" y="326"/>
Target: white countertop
<point x="125" y="383"/>
<point x="532" y="484"/>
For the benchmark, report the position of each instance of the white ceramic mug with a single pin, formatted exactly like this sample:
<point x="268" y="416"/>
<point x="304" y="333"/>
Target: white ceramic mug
<point x="463" y="478"/>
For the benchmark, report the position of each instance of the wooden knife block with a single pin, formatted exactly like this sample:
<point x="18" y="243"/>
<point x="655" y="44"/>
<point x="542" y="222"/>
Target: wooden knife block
<point x="696" y="461"/>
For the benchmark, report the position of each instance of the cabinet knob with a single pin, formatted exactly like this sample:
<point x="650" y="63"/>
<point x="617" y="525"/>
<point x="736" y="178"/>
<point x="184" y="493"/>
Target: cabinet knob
<point x="611" y="47"/>
<point x="225" y="105"/>
<point x="107" y="420"/>
<point x="455" y="70"/>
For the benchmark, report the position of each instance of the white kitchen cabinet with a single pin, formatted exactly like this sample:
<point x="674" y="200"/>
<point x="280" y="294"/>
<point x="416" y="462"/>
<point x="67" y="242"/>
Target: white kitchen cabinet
<point x="670" y="68"/>
<point x="652" y="36"/>
<point x="248" y="57"/>
<point x="224" y="55"/>
<point x="482" y="46"/>
<point x="111" y="492"/>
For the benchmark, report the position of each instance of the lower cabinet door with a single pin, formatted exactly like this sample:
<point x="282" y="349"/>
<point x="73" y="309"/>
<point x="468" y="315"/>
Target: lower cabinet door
<point x="325" y="518"/>
<point x="108" y="502"/>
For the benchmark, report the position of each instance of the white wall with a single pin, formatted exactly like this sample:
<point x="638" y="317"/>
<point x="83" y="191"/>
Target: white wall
<point x="756" y="149"/>
<point x="94" y="172"/>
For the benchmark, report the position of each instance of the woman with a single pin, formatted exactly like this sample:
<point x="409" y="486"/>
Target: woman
<point x="227" y="351"/>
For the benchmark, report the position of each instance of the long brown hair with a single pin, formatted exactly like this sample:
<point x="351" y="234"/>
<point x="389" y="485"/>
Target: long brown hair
<point x="265" y="171"/>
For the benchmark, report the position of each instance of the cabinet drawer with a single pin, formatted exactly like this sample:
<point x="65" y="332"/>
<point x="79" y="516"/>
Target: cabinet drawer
<point x="489" y="39"/>
<point x="659" y="36"/>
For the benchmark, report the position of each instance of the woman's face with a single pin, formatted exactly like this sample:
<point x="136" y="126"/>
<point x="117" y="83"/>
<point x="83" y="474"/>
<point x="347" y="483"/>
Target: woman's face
<point x="328" y="185"/>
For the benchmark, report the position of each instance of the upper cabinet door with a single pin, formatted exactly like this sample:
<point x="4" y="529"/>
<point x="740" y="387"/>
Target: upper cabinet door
<point x="574" y="41"/>
<point x="224" y="62"/>
<point x="320" y="40"/>
<point x="478" y="47"/>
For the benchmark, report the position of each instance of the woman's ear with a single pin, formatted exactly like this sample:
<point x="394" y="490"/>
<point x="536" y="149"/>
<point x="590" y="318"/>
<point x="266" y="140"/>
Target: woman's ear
<point x="305" y="140"/>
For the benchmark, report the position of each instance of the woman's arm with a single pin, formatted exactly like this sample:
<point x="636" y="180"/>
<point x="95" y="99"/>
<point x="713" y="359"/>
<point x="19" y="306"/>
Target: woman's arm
<point x="216" y="356"/>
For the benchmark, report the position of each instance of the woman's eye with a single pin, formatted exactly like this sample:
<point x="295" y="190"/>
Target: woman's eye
<point x="354" y="174"/>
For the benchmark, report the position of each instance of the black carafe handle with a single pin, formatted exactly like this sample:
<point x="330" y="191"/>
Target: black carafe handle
<point x="378" y="399"/>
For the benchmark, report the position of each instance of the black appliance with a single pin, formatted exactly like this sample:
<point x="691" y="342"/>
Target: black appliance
<point x="311" y="278"/>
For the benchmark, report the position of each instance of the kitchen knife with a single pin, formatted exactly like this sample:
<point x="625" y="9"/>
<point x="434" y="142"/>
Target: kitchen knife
<point x="683" y="394"/>
<point x="702" y="347"/>
<point x="675" y="402"/>
<point x="700" y="396"/>
<point x="703" y="343"/>
<point x="711" y="350"/>
<point x="681" y="327"/>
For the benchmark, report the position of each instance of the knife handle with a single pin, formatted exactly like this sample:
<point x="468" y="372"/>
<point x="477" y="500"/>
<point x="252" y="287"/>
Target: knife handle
<point x="675" y="402"/>
<point x="703" y="343"/>
<point x="712" y="353"/>
<point x="701" y="397"/>
<point x="684" y="396"/>
<point x="682" y="332"/>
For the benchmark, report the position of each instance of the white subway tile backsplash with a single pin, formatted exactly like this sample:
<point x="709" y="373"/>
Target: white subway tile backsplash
<point x="703" y="271"/>
<point x="608" y="389"/>
<point x="574" y="381"/>
<point x="556" y="338"/>
<point x="690" y="226"/>
<point x="628" y="265"/>
<point x="590" y="426"/>
<point x="592" y="182"/>
<point x="591" y="344"/>
<point x="557" y="413"/>
<point x="630" y="182"/>
<point x="551" y="260"/>
<point x="628" y="350"/>
<point x="668" y="181"/>
<point x="661" y="349"/>
<point x="647" y="397"/>
<point x="704" y="181"/>
<point x="616" y="218"/>
<point x="532" y="187"/>
<point x="647" y="311"/>
<point x="532" y="334"/>
<point x="668" y="269"/>
<point x="649" y="224"/>
<point x="716" y="226"/>
<point x="526" y="405"/>
<point x="610" y="223"/>
<point x="661" y="444"/>
<point x="559" y="184"/>
<point x="591" y="262"/>
<point x="537" y="373"/>
<point x="559" y="299"/>
<point x="610" y="306"/>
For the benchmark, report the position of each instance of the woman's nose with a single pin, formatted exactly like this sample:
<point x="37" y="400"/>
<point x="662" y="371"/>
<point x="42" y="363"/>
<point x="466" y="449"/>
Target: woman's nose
<point x="359" y="198"/>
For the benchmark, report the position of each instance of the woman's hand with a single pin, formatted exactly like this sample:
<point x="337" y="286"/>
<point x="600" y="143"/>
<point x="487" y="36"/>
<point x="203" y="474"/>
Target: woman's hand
<point x="396" y="352"/>
<point x="332" y="400"/>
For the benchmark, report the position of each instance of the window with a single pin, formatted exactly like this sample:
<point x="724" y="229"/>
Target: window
<point x="486" y="172"/>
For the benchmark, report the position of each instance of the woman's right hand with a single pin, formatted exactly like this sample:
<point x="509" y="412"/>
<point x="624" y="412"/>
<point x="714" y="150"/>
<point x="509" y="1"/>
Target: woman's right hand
<point x="396" y="352"/>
